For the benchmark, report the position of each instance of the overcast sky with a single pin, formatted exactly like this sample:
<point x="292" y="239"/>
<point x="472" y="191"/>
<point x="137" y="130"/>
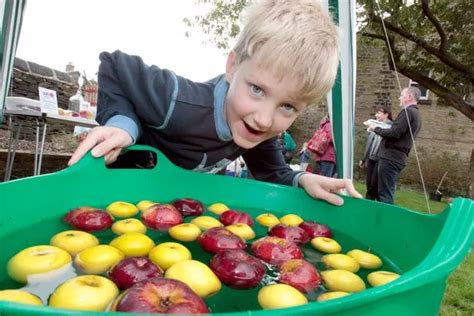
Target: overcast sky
<point x="55" y="32"/>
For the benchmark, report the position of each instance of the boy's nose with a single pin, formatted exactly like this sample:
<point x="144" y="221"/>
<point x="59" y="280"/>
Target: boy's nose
<point x="263" y="118"/>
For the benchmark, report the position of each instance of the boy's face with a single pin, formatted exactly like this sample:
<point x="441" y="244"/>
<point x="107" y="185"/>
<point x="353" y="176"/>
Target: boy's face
<point x="258" y="106"/>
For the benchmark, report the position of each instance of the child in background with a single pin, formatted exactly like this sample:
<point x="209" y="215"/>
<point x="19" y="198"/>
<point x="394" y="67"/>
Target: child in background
<point x="285" y="59"/>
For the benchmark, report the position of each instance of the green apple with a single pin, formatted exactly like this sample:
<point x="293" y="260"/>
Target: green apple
<point x="98" y="259"/>
<point x="74" y="241"/>
<point x="85" y="292"/>
<point x="242" y="230"/>
<point x="36" y="259"/>
<point x="133" y="244"/>
<point x="19" y="296"/>
<point x="366" y="259"/>
<point x="122" y="209"/>
<point x="379" y="278"/>
<point x="198" y="276"/>
<point x="341" y="261"/>
<point x="129" y="225"/>
<point x="218" y="208"/>
<point x="185" y="232"/>
<point x="267" y="220"/>
<point x="206" y="222"/>
<point x="166" y="254"/>
<point x="291" y="220"/>
<point x="331" y="295"/>
<point x="280" y="296"/>
<point x="326" y="244"/>
<point x="342" y="280"/>
<point x="144" y="204"/>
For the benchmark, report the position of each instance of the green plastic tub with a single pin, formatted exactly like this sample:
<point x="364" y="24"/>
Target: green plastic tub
<point x="425" y="249"/>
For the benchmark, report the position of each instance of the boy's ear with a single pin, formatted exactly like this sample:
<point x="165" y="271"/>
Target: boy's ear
<point x="230" y="67"/>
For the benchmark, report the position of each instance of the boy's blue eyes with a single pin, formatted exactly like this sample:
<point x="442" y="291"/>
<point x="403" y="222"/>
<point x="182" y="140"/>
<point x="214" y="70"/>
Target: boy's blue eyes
<point x="256" y="90"/>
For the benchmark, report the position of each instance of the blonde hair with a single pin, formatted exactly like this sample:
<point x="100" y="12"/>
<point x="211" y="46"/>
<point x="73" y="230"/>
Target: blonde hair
<point x="295" y="38"/>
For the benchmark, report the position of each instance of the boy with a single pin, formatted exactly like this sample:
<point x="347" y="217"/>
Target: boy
<point x="285" y="59"/>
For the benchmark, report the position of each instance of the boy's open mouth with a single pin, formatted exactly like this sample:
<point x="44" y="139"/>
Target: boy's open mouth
<point x="251" y="130"/>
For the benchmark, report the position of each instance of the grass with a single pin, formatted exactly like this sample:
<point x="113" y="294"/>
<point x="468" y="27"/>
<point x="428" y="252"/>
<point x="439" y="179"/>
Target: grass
<point x="459" y="295"/>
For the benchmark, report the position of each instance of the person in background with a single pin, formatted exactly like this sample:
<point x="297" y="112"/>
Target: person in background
<point x="288" y="146"/>
<point x="325" y="160"/>
<point x="370" y="159"/>
<point x="396" y="143"/>
<point x="203" y="126"/>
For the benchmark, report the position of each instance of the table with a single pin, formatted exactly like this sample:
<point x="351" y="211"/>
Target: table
<point x="16" y="118"/>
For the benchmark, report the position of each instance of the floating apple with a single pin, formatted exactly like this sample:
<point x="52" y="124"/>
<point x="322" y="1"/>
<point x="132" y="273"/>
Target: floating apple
<point x="36" y="259"/>
<point x="325" y="244"/>
<point x="133" y="244"/>
<point x="144" y="204"/>
<point x="188" y="207"/>
<point x="218" y="239"/>
<point x="98" y="259"/>
<point x="166" y="254"/>
<point x="280" y="296"/>
<point x="331" y="295"/>
<point x="242" y="230"/>
<point x="74" y="241"/>
<point x="300" y="274"/>
<point x="161" y="296"/>
<point x="238" y="269"/>
<point x="291" y="233"/>
<point x="340" y="261"/>
<point x="366" y="259"/>
<point x="185" y="232"/>
<point x="20" y="296"/>
<point x="129" y="225"/>
<point x="196" y="275"/>
<point x="233" y="217"/>
<point x="161" y="216"/>
<point x="85" y="292"/>
<point x="89" y="219"/>
<point x="291" y="220"/>
<point x="218" y="208"/>
<point x="275" y="250"/>
<point x="122" y="209"/>
<point x="379" y="278"/>
<point x="133" y="270"/>
<point x="267" y="220"/>
<point x="342" y="280"/>
<point x="206" y="222"/>
<point x="314" y="229"/>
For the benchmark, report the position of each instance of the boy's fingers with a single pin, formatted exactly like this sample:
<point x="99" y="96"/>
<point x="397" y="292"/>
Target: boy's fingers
<point x="84" y="147"/>
<point x="351" y="190"/>
<point x="112" y="155"/>
<point x="329" y="197"/>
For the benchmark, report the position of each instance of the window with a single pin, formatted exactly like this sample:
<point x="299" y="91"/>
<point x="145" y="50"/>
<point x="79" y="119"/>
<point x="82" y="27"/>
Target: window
<point x="425" y="93"/>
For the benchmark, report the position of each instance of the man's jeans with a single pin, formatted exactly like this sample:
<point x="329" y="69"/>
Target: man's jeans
<point x="388" y="176"/>
<point x="326" y="168"/>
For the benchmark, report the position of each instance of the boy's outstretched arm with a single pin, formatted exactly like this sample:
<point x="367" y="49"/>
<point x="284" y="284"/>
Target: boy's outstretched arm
<point x="325" y="188"/>
<point x="106" y="141"/>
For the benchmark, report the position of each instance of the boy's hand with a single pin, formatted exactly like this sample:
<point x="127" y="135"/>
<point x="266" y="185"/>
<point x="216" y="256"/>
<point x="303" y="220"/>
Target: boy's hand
<point x="104" y="141"/>
<point x="325" y="188"/>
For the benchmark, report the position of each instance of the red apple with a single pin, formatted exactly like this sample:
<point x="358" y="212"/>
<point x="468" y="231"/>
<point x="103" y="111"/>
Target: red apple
<point x="188" y="207"/>
<point x="300" y="274"/>
<point x="238" y="269"/>
<point x="314" y="229"/>
<point x="275" y="250"/>
<point x="132" y="270"/>
<point x="89" y="219"/>
<point x="161" y="295"/>
<point x="233" y="217"/>
<point x="291" y="233"/>
<point x="218" y="238"/>
<point x="161" y="216"/>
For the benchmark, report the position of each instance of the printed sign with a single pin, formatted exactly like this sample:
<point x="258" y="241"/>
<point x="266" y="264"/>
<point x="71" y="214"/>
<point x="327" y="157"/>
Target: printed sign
<point x="49" y="101"/>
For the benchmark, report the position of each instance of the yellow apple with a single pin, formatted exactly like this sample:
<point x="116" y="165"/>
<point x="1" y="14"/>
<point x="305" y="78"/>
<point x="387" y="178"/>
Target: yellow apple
<point x="85" y="292"/>
<point x="19" y="296"/>
<point x="242" y="230"/>
<point x="166" y="254"/>
<point x="129" y="225"/>
<point x="267" y="220"/>
<point x="74" y="241"/>
<point x="280" y="296"/>
<point x="331" y="295"/>
<point x="98" y="259"/>
<point x="144" y="204"/>
<point x="198" y="276"/>
<point x="342" y="280"/>
<point x="379" y="278"/>
<point x="366" y="259"/>
<point x="326" y="244"/>
<point x="291" y="220"/>
<point x="341" y="261"/>
<point x="206" y="222"/>
<point x="36" y="259"/>
<point x="185" y="232"/>
<point x="218" y="208"/>
<point x="133" y="244"/>
<point x="122" y="209"/>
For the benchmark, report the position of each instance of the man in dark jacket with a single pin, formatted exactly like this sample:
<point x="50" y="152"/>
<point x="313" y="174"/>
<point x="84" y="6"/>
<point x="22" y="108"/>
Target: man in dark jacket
<point x="396" y="143"/>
